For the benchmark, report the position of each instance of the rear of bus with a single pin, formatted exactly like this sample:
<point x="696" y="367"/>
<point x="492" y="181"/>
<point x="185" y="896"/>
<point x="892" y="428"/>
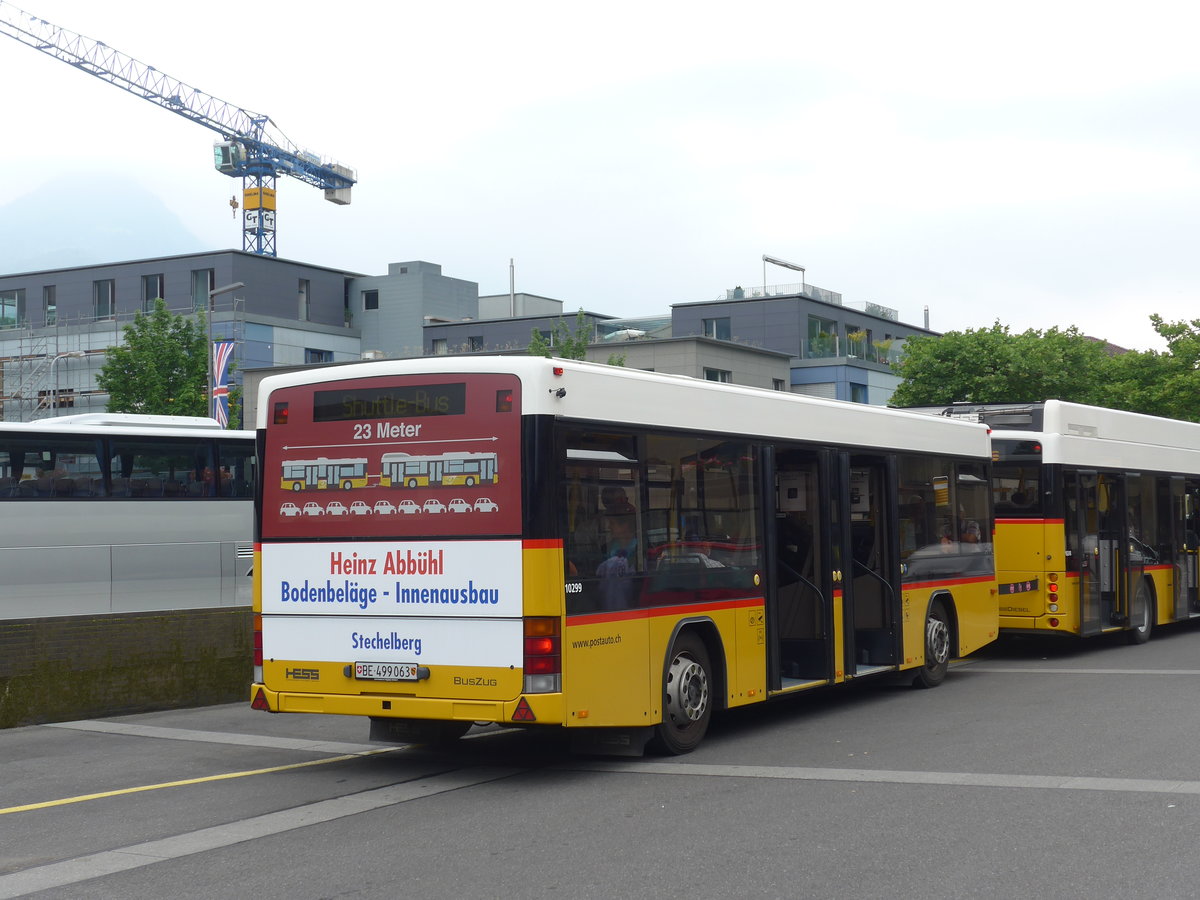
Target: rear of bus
<point x="1035" y="594"/>
<point x="401" y="598"/>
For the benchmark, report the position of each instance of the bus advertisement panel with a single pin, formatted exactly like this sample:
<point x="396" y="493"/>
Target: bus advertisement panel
<point x="353" y="440"/>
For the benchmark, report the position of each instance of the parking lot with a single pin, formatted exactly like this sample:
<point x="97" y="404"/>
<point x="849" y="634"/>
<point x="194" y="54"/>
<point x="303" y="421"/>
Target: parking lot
<point x="1036" y="769"/>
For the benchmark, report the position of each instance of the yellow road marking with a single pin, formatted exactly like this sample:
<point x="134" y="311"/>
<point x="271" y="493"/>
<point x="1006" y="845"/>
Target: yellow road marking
<point x="170" y="784"/>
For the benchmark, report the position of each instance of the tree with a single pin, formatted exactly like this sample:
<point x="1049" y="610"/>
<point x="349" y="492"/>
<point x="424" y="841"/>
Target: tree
<point x="1158" y="384"/>
<point x="563" y="343"/>
<point x="160" y="368"/>
<point x="995" y="366"/>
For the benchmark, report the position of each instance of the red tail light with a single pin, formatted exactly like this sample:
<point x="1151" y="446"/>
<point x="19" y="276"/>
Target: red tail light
<point x="281" y="414"/>
<point x="542" y="655"/>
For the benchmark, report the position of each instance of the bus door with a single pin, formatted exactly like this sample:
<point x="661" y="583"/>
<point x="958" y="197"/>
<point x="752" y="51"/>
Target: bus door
<point x="870" y="574"/>
<point x="800" y="594"/>
<point x="1095" y="530"/>
<point x="1183" y="554"/>
<point x="1191" y="544"/>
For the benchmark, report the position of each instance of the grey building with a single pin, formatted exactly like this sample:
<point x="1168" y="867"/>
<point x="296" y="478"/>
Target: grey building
<point x="56" y="325"/>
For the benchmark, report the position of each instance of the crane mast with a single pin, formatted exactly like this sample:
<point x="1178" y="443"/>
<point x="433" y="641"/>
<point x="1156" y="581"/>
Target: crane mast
<point x="251" y="147"/>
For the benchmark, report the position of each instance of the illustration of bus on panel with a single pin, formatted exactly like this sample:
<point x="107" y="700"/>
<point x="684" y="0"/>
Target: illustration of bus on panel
<point x="445" y="470"/>
<point x="321" y="473"/>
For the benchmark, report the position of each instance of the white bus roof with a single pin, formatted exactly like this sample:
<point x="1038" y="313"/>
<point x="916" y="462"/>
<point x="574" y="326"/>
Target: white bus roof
<point x="1075" y="434"/>
<point x="595" y="392"/>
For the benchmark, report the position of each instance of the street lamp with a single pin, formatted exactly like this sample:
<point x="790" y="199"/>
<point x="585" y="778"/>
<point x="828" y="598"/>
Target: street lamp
<point x="212" y="295"/>
<point x="70" y="354"/>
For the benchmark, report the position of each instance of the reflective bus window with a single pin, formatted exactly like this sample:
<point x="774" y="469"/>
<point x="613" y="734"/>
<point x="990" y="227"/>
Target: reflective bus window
<point x="236" y="468"/>
<point x="145" y="467"/>
<point x="49" y="466"/>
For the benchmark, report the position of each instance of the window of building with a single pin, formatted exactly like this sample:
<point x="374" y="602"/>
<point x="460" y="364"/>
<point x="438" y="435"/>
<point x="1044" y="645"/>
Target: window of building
<point x="439" y="347"/>
<point x="317" y="356"/>
<point x="304" y="299"/>
<point x="475" y="342"/>
<point x="718" y="328"/>
<point x="50" y="303"/>
<point x="12" y="307"/>
<point x="547" y="336"/>
<point x="822" y="338"/>
<point x="722" y="375"/>
<point x="370" y="299"/>
<point x="858" y="393"/>
<point x="104" y="300"/>
<point x="52" y="399"/>
<point x="778" y="384"/>
<point x="152" y="289"/>
<point x="203" y="281"/>
<point x="404" y="270"/>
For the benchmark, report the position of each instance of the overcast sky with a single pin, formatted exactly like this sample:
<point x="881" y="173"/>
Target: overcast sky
<point x="1033" y="163"/>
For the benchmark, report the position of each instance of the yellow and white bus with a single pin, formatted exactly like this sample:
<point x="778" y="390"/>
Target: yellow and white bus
<point x="1096" y="526"/>
<point x="653" y="549"/>
<point x="322" y="473"/>
<point x="438" y="470"/>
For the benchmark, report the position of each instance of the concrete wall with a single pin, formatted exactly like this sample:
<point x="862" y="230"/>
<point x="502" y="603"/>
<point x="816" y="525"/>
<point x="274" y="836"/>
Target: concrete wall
<point x="77" y="667"/>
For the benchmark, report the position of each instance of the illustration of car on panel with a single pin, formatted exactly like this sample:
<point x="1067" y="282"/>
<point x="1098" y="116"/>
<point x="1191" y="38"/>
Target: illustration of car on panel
<point x="359" y="508"/>
<point x="408" y="507"/>
<point x="289" y="509"/>
<point x="384" y="508"/>
<point x="434" y="506"/>
<point x="313" y="509"/>
<point x="458" y="505"/>
<point x="483" y="504"/>
<point x="336" y="508"/>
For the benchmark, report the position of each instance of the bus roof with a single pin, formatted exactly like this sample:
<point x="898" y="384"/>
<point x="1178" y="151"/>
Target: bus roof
<point x="1075" y="434"/>
<point x="594" y="392"/>
<point x="127" y="424"/>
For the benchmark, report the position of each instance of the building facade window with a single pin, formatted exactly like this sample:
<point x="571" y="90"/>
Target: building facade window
<point x="50" y="303"/>
<point x="822" y="338"/>
<point x="370" y="299"/>
<point x="778" y="384"/>
<point x="104" y="301"/>
<point x="12" y="307"/>
<point x="312" y="355"/>
<point x="303" y="298"/>
<point x="475" y="342"/>
<point x="722" y="375"/>
<point x="718" y="328"/>
<point x="152" y="289"/>
<point x="858" y="393"/>
<point x="203" y="281"/>
<point x="439" y="347"/>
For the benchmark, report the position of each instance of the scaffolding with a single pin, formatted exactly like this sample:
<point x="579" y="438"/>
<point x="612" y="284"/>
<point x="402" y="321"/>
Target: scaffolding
<point x="51" y="370"/>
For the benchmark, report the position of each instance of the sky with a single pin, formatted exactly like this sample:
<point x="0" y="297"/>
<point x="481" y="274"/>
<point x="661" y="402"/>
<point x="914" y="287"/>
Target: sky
<point x="1032" y="163"/>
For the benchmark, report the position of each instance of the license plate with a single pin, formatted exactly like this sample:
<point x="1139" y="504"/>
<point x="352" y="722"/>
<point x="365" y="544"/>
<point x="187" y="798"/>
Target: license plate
<point x="377" y="671"/>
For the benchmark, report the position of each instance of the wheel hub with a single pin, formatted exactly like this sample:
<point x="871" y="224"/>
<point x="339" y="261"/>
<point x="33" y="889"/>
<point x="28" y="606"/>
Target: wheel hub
<point x="687" y="690"/>
<point x="937" y="639"/>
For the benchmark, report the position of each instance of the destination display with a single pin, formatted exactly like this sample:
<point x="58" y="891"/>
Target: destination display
<point x="356" y="404"/>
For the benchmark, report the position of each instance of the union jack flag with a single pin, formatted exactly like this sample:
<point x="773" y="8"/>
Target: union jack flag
<point x="222" y="352"/>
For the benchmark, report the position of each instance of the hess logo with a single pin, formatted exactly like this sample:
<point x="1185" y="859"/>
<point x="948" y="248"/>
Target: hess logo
<point x="302" y="674"/>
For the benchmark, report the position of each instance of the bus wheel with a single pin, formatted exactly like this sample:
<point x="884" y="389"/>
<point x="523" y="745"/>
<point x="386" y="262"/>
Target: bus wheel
<point x="687" y="698"/>
<point x="937" y="648"/>
<point x="296" y="487"/>
<point x="1142" y="620"/>
<point x="416" y="731"/>
<point x="347" y="484"/>
<point x="412" y="482"/>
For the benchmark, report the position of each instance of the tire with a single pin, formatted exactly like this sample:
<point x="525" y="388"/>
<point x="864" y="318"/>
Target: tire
<point x="417" y="731"/>
<point x="687" y="697"/>
<point x="470" y="481"/>
<point x="937" y="647"/>
<point x="295" y="487"/>
<point x="346" y="485"/>
<point x="412" y="482"/>
<point x="1141" y="619"/>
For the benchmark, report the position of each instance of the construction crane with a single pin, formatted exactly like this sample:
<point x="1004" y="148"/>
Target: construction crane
<point x="251" y="147"/>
